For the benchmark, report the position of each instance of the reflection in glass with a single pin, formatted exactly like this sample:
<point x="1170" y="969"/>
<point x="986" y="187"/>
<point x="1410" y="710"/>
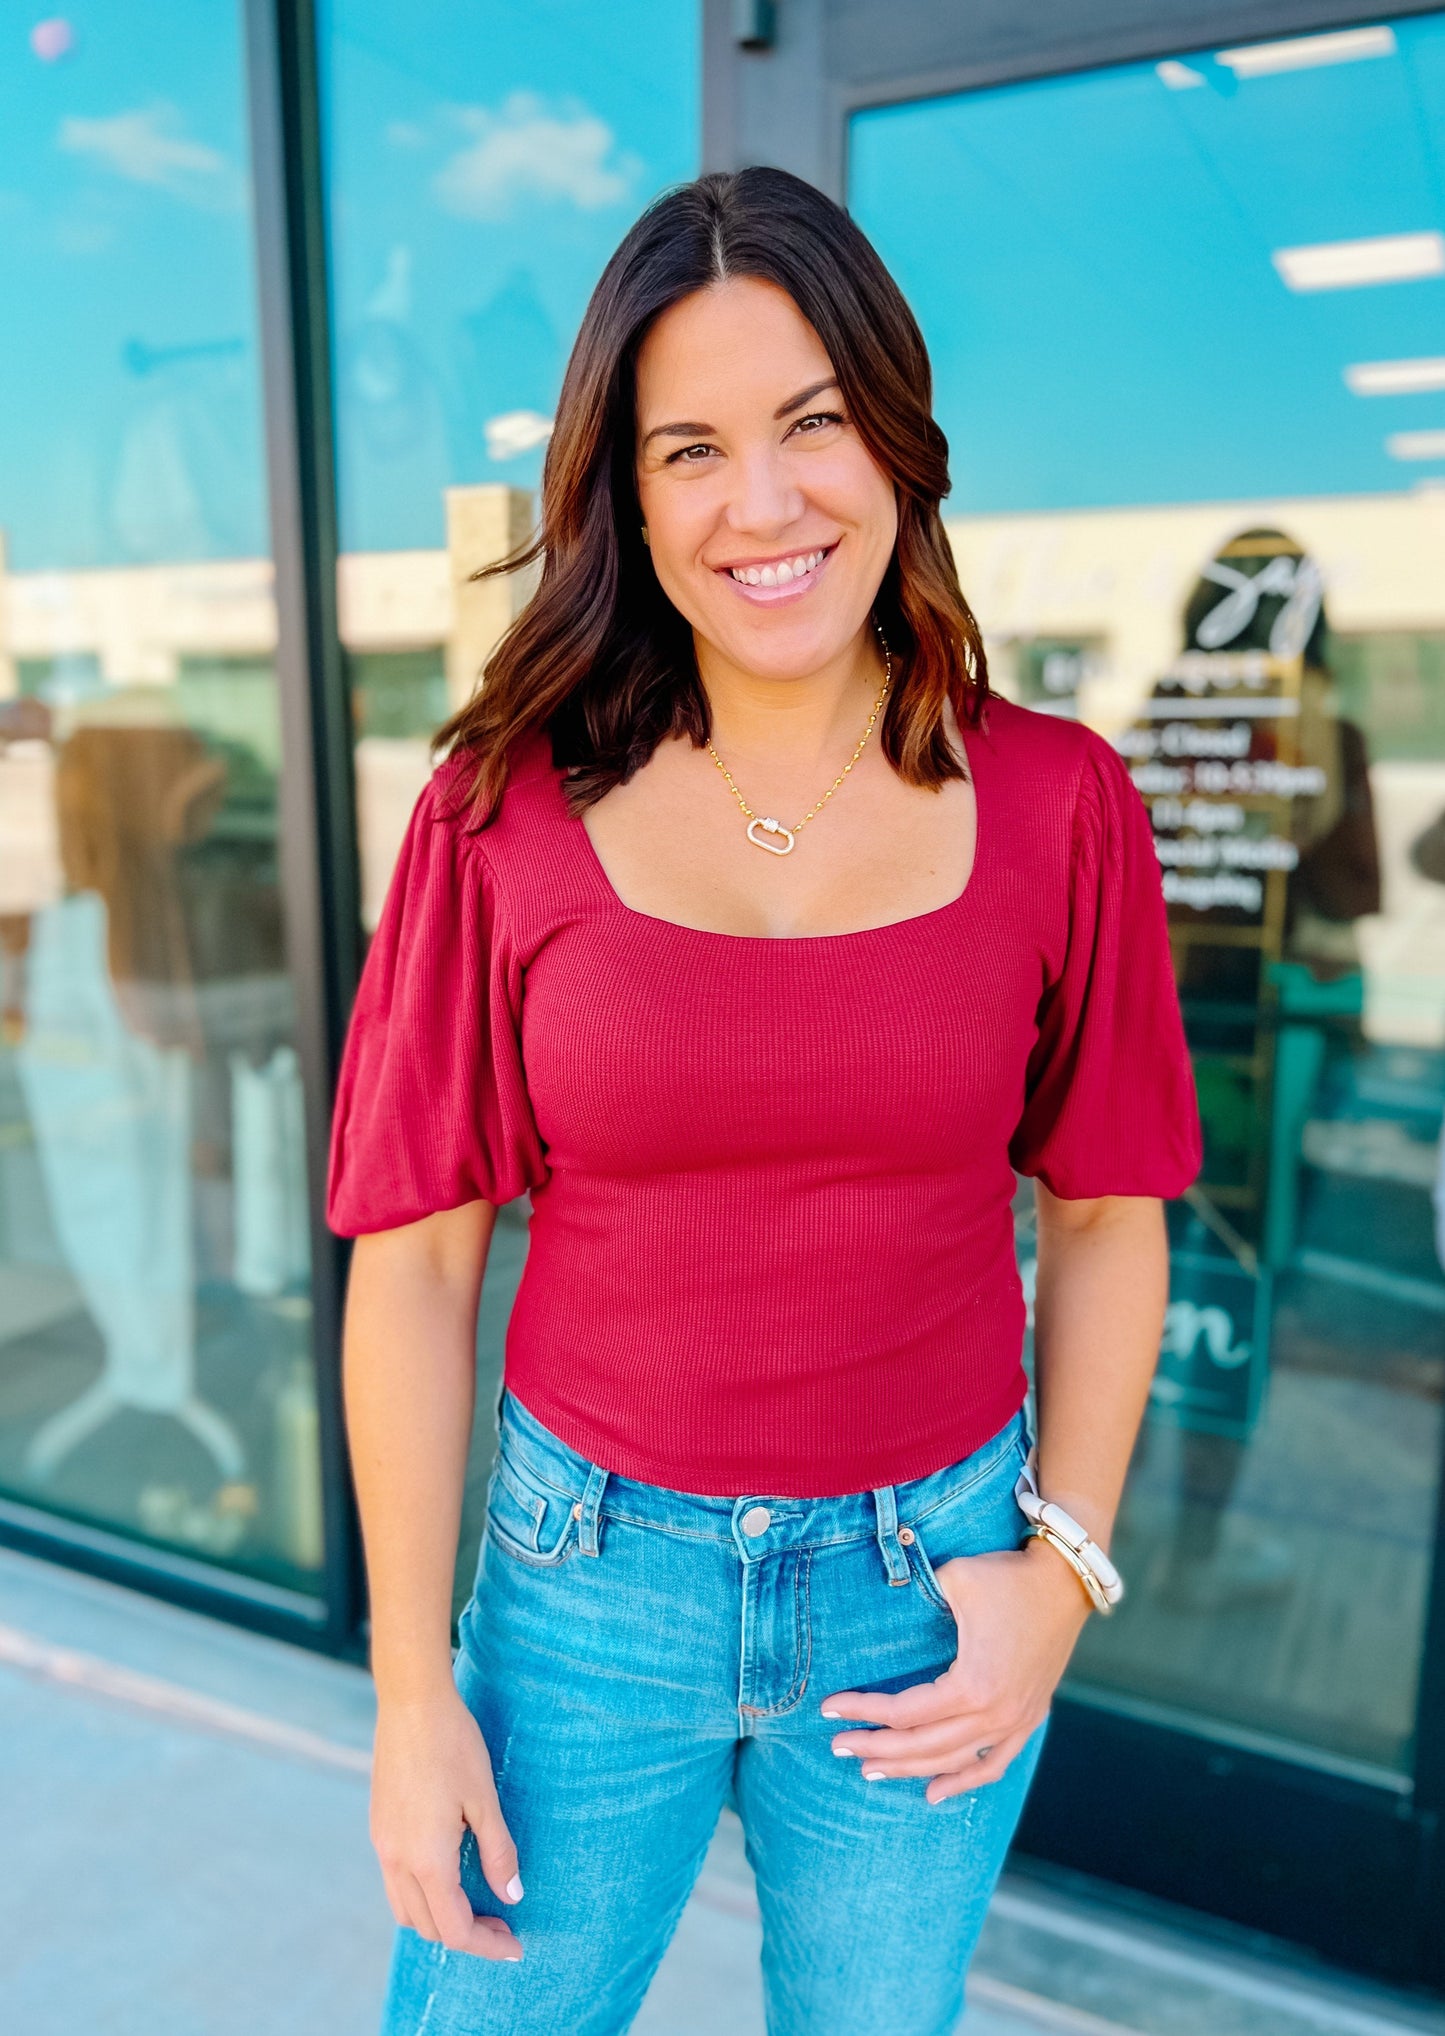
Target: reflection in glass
<point x="155" y="1361"/>
<point x="483" y="160"/>
<point x="1195" y="506"/>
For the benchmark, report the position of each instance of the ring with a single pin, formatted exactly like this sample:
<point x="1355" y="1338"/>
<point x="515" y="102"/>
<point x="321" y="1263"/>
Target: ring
<point x="983" y="1752"/>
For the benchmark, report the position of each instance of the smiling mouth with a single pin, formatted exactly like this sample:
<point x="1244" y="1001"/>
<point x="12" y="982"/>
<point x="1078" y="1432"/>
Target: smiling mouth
<point x="781" y="573"/>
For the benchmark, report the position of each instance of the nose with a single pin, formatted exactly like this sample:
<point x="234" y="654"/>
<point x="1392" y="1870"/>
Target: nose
<point x="764" y="500"/>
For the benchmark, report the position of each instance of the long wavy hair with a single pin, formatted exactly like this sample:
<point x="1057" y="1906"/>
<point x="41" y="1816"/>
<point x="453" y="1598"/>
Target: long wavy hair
<point x="599" y="658"/>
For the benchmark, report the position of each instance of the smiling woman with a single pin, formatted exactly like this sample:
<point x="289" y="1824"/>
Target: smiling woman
<point x="762" y="1465"/>
<point x="609" y="650"/>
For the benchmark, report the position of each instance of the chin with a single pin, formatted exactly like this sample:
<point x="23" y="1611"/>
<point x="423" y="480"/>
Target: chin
<point x="776" y="647"/>
<point x="782" y="660"/>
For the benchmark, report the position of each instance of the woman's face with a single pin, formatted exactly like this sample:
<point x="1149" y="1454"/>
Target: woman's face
<point x="770" y="524"/>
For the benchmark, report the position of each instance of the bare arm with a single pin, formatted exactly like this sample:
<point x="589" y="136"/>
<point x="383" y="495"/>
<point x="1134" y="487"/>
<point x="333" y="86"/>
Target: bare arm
<point x="1103" y="1283"/>
<point x="1098" y="1313"/>
<point x="409" y="1373"/>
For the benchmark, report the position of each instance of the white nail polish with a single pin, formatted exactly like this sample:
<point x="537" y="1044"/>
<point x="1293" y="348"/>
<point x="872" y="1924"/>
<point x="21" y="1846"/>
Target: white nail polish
<point x="514" y="1889"/>
<point x="845" y="1753"/>
<point x="832" y="1714"/>
<point x="874" y="1774"/>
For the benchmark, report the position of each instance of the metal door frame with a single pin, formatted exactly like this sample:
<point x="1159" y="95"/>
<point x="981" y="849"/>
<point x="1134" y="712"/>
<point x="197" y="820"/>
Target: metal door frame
<point x="317" y="846"/>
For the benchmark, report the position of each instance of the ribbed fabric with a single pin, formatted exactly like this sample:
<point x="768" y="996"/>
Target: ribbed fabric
<point x="771" y="1240"/>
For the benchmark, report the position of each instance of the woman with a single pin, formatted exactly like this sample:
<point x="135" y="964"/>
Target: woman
<point x="744" y="930"/>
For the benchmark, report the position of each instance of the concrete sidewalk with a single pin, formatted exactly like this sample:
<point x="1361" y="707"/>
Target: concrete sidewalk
<point x="185" y="1854"/>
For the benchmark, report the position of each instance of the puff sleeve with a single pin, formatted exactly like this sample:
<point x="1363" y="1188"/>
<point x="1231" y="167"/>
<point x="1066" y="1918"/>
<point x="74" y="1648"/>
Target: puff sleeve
<point x="1110" y="1104"/>
<point x="432" y="1108"/>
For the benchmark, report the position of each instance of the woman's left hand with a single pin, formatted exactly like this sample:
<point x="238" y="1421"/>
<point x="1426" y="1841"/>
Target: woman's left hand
<point x="1018" y="1614"/>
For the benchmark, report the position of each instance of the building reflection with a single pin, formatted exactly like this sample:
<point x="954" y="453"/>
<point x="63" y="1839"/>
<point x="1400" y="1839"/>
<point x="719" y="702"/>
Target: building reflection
<point x="156" y="1279"/>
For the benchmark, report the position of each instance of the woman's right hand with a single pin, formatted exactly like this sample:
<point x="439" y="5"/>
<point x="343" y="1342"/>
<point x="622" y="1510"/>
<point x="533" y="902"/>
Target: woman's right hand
<point x="431" y="1780"/>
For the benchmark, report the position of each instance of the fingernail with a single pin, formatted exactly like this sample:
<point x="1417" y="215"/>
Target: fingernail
<point x="874" y="1774"/>
<point x="831" y="1714"/>
<point x="512" y="1958"/>
<point x="845" y="1753"/>
<point x="514" y="1888"/>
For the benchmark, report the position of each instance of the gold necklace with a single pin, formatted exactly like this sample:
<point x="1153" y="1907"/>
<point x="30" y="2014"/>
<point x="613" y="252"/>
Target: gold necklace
<point x="771" y="834"/>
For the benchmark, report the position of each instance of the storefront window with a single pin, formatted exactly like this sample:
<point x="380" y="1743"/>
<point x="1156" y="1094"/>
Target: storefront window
<point x="155" y="1357"/>
<point x="1186" y="320"/>
<point x="484" y="157"/>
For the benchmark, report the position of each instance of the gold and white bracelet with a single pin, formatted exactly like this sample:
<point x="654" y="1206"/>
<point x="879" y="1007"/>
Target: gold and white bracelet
<point x="1048" y="1522"/>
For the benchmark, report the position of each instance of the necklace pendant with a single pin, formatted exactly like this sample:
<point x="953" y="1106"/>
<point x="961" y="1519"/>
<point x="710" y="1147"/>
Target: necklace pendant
<point x="771" y="835"/>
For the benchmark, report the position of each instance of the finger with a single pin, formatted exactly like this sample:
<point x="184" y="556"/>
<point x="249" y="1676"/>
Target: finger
<point x="396" y="1901"/>
<point x="458" y="1928"/>
<point x="494" y="1939"/>
<point x="495" y="1850"/>
<point x="921" y="1704"/>
<point x="389" y="1880"/>
<point x="960" y="1760"/>
<point x="950" y="1737"/>
<point x="982" y="1775"/>
<point x="415" y="1912"/>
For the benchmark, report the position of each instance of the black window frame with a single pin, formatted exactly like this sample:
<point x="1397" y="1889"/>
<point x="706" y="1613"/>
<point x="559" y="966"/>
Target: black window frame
<point x="317" y="824"/>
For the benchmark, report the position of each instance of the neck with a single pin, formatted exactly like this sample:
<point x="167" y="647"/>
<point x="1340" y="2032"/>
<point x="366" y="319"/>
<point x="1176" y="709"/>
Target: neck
<point x="798" y="718"/>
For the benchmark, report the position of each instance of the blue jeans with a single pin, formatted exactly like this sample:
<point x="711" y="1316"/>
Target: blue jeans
<point x="637" y="1657"/>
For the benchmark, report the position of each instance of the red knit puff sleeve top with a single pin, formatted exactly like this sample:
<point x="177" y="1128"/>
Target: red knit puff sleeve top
<point x="771" y="1243"/>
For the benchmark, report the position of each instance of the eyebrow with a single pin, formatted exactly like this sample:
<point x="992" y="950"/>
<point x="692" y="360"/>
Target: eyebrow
<point x="690" y="431"/>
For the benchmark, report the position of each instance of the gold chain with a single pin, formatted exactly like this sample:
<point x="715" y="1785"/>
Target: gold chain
<point x="774" y="827"/>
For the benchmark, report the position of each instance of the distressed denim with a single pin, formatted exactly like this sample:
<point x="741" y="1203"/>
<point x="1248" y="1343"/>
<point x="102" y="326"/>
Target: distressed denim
<point x="636" y="1657"/>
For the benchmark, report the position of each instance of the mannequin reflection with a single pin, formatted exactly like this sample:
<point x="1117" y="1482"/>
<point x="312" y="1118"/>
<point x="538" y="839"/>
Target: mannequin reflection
<point x="110" y="1038"/>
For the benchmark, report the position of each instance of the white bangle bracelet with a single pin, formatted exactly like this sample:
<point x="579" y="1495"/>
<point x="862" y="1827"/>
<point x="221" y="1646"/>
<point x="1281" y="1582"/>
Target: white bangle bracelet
<point x="1073" y="1541"/>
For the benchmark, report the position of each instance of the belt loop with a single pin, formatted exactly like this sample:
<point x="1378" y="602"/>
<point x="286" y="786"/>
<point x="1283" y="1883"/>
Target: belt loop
<point x="894" y="1560"/>
<point x="588" y="1508"/>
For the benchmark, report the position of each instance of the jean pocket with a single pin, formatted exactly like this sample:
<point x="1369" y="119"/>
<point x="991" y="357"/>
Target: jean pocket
<point x="528" y="1517"/>
<point x="980" y="1516"/>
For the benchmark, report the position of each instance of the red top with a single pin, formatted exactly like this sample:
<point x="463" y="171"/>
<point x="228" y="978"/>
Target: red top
<point x="771" y="1238"/>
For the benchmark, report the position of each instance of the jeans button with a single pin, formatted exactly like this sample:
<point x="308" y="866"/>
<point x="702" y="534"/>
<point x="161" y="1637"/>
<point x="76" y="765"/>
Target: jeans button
<point x="756" y="1520"/>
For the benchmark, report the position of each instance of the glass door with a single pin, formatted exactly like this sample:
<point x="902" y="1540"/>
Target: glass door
<point x="481" y="163"/>
<point x="1187" y="319"/>
<point x="157" y="1383"/>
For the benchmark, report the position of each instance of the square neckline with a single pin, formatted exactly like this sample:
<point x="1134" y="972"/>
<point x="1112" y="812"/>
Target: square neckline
<point x="981" y="839"/>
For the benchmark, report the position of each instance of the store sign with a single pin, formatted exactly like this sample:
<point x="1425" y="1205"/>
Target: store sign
<point x="1295" y="581"/>
<point x="1217" y="762"/>
<point x="1226" y="752"/>
<point x="1235" y="754"/>
<point x="1214" y="1355"/>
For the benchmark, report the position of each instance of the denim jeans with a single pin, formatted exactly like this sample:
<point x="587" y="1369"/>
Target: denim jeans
<point x="636" y="1657"/>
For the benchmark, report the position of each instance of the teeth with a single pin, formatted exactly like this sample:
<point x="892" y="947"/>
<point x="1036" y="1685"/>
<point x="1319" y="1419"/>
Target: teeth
<point x="781" y="575"/>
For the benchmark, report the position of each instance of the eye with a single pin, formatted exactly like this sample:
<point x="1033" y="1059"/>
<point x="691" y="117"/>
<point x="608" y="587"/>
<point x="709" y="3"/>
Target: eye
<point x="689" y="455"/>
<point x="816" y="421"/>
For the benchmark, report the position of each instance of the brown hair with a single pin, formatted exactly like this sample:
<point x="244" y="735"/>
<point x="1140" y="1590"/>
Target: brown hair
<point x="599" y="657"/>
